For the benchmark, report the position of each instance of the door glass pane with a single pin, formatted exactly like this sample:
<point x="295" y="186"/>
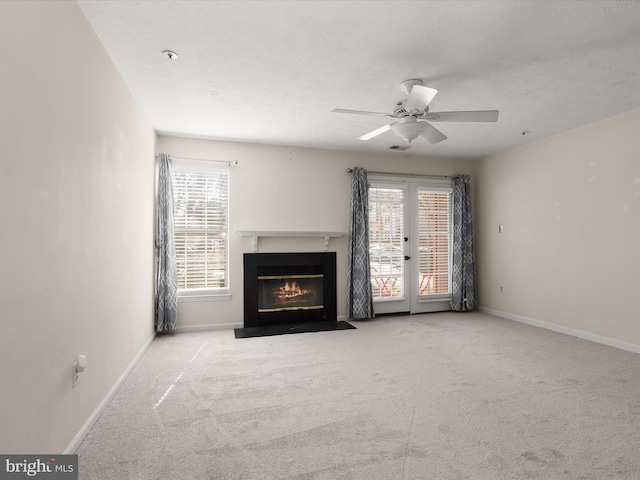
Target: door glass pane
<point x="386" y="237"/>
<point x="434" y="242"/>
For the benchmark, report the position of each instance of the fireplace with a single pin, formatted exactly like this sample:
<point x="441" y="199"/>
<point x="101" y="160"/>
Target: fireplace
<point x="281" y="288"/>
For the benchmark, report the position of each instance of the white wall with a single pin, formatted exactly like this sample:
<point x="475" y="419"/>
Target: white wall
<point x="287" y="188"/>
<point x="76" y="249"/>
<point x="570" y="206"/>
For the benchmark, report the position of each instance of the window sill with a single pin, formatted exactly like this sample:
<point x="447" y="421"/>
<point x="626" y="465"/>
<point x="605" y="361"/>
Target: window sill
<point x="210" y="297"/>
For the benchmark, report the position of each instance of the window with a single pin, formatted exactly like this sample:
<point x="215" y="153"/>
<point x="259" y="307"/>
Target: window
<point x="201" y="206"/>
<point x="386" y="237"/>
<point x="434" y="259"/>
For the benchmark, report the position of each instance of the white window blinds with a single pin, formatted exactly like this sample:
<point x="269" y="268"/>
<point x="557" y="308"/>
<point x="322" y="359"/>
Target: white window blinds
<point x="201" y="210"/>
<point x="386" y="237"/>
<point x="434" y="255"/>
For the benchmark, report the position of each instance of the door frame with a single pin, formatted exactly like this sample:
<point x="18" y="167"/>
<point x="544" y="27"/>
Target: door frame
<point x="412" y="302"/>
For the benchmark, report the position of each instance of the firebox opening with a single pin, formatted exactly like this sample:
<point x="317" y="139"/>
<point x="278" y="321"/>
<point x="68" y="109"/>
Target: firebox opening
<point x="280" y="293"/>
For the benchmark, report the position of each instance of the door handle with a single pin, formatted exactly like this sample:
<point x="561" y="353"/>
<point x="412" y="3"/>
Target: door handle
<point x="407" y="257"/>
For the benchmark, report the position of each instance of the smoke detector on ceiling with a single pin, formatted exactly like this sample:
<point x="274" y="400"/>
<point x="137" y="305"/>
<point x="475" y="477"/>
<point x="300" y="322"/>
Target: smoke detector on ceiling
<point x="170" y="54"/>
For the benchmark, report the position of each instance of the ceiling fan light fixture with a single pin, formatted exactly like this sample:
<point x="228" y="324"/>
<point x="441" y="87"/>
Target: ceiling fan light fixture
<point x="409" y="128"/>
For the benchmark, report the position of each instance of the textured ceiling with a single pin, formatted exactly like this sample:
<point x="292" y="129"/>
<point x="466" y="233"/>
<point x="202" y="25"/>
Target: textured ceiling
<point x="272" y="71"/>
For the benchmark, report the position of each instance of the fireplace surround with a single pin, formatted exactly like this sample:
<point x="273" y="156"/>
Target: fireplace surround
<point x="283" y="288"/>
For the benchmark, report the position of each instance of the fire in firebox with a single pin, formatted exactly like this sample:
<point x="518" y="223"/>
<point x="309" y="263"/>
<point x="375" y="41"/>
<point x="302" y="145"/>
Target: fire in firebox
<point x="290" y="292"/>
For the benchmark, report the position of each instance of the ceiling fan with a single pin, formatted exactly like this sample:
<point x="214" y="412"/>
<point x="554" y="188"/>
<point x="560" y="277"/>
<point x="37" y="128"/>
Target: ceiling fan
<point x="414" y="115"/>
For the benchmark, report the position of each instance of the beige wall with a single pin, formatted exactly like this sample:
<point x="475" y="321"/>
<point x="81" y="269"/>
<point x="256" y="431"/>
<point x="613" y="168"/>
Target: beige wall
<point x="287" y="188"/>
<point x="76" y="249"/>
<point x="570" y="206"/>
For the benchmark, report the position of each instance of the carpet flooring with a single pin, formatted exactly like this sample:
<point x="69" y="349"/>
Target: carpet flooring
<point x="451" y="396"/>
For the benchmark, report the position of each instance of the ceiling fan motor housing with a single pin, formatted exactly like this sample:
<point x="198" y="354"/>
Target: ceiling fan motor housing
<point x="400" y="111"/>
<point x="398" y="108"/>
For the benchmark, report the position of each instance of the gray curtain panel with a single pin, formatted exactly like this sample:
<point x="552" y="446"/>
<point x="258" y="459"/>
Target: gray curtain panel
<point x="359" y="293"/>
<point x="166" y="273"/>
<point x="464" y="295"/>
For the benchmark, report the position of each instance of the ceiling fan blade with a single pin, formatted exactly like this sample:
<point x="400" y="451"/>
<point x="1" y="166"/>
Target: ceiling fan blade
<point x="432" y="134"/>
<point x="361" y="112"/>
<point x="475" y="116"/>
<point x="375" y="133"/>
<point x="420" y="98"/>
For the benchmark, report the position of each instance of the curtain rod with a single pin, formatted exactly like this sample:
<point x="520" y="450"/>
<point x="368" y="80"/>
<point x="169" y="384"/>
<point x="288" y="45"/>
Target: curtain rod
<point x="228" y="162"/>
<point x="350" y="170"/>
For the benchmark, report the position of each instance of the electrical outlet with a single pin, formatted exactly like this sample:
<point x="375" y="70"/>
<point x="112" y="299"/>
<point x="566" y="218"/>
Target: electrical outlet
<point x="501" y="289"/>
<point x="501" y="228"/>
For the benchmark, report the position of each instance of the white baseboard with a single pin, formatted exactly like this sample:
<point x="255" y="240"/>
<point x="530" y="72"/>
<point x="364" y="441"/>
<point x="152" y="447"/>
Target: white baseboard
<point x="77" y="440"/>
<point x="612" y="342"/>
<point x="210" y="326"/>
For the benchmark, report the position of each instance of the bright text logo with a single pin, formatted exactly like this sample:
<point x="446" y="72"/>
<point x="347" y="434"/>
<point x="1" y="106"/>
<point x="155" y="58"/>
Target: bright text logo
<point x="58" y="467"/>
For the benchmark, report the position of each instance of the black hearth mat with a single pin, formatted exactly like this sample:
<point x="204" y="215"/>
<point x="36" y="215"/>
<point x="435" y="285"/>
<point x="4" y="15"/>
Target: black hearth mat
<point x="287" y="328"/>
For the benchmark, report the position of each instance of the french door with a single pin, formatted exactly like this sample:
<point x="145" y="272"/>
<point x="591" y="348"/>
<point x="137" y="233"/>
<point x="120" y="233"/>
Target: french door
<point x="410" y="244"/>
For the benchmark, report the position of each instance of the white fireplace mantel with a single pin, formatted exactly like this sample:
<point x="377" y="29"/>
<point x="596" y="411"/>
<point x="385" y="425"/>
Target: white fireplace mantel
<point x="291" y="234"/>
